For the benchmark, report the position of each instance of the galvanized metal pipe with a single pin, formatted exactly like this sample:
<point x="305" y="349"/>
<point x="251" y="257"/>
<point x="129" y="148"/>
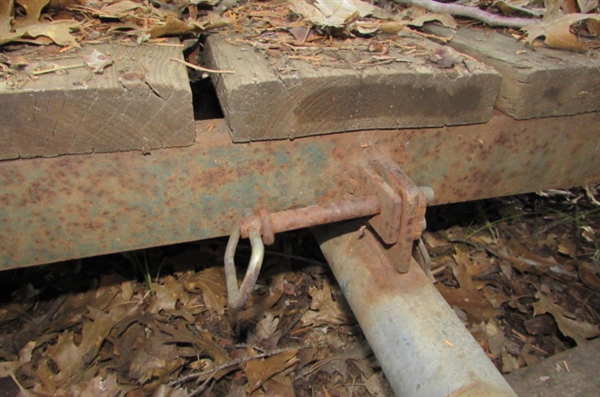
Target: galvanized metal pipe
<point x="423" y="348"/>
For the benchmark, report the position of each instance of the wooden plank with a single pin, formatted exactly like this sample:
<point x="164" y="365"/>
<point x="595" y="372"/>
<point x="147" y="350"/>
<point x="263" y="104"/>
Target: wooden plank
<point x="573" y="373"/>
<point x="142" y="101"/>
<point x="263" y="102"/>
<point x="538" y="82"/>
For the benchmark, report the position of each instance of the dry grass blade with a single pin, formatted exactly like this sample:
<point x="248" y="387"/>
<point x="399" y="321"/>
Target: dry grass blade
<point x="200" y="68"/>
<point x="230" y="364"/>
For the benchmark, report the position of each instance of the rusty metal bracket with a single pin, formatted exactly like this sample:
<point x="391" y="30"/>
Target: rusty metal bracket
<point x="402" y="216"/>
<point x="390" y="196"/>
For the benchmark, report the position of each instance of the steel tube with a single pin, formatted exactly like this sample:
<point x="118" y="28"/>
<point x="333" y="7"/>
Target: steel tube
<point x="301" y="218"/>
<point x="423" y="348"/>
<point x="322" y="214"/>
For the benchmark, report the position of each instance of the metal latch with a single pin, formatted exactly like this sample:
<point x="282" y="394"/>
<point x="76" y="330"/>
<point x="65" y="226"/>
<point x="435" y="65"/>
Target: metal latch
<point x="396" y="204"/>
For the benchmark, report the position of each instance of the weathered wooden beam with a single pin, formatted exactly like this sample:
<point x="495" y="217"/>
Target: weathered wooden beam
<point x="68" y="207"/>
<point x="142" y="101"/>
<point x="536" y="82"/>
<point x="263" y="101"/>
<point x="571" y="373"/>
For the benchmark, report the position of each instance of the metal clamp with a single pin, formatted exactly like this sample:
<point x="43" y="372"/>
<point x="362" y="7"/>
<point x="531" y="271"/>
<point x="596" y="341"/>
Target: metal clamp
<point x="402" y="216"/>
<point x="396" y="204"/>
<point x="237" y="297"/>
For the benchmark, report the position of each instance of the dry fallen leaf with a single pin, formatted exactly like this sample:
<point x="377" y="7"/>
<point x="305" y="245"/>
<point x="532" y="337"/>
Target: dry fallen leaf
<point x="578" y="330"/>
<point x="59" y="32"/>
<point x="6" y="16"/>
<point x="172" y="26"/>
<point x="120" y="7"/>
<point x="325" y="310"/>
<point x="377" y="386"/>
<point x="586" y="6"/>
<point x="212" y="284"/>
<point x="266" y="327"/>
<point x="259" y="371"/>
<point x="445" y="19"/>
<point x="557" y="33"/>
<point x="98" y="387"/>
<point x="168" y="295"/>
<point x="33" y="10"/>
<point x="278" y="385"/>
<point x="333" y="13"/>
<point x="510" y="363"/>
<point x="72" y="358"/>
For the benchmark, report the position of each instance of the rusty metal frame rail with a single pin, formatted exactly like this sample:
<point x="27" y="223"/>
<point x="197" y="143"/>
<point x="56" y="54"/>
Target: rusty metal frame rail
<point x="68" y="207"/>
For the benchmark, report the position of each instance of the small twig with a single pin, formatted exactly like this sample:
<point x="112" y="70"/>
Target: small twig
<point x="233" y="363"/>
<point x="544" y="352"/>
<point x="476" y="246"/>
<point x="471" y="12"/>
<point x="463" y="389"/>
<point x="552" y="225"/>
<point x="352" y="388"/>
<point x="201" y="388"/>
<point x="200" y="68"/>
<point x="177" y="45"/>
<point x="425" y="260"/>
<point x="56" y="69"/>
<point x="438" y="270"/>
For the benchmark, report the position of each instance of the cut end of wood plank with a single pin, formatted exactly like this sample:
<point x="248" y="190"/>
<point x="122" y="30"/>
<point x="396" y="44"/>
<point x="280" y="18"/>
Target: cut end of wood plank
<point x="264" y="101"/>
<point x="536" y="82"/>
<point x="142" y="101"/>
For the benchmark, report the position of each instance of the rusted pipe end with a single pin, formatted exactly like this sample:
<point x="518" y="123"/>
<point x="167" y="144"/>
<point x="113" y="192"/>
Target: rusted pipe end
<point x="428" y="193"/>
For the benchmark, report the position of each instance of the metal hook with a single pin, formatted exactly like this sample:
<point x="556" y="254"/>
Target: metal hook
<point x="238" y="297"/>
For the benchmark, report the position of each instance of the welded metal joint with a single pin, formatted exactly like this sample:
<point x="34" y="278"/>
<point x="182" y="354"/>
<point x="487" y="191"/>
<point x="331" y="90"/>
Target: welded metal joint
<point x="237" y="297"/>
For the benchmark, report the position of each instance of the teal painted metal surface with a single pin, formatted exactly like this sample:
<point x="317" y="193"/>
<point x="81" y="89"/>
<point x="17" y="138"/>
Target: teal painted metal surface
<point x="69" y="207"/>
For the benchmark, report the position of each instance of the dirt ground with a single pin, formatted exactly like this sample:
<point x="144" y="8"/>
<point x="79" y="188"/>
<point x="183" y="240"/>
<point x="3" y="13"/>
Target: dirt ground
<point x="522" y="273"/>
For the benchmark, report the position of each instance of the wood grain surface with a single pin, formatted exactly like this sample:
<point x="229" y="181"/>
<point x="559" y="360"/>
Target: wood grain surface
<point x="536" y="82"/>
<point x="142" y="101"/>
<point x="261" y="101"/>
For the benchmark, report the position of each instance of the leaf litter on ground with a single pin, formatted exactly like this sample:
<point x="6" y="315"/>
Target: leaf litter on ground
<point x="71" y="23"/>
